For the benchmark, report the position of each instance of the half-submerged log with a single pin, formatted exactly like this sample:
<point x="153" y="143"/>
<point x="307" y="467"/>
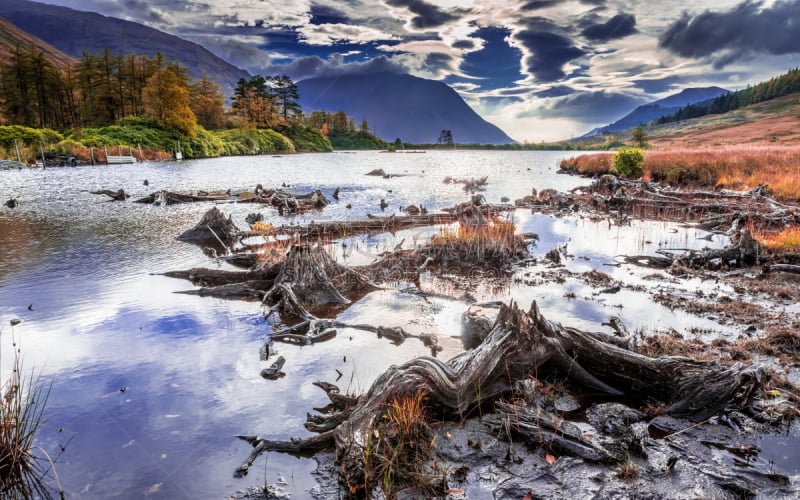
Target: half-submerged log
<point x="521" y="345"/>
<point x="118" y="195"/>
<point x="213" y="229"/>
<point x="165" y="198"/>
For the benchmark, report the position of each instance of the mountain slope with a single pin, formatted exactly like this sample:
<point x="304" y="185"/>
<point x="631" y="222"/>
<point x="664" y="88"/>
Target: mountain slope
<point x="12" y="37"/>
<point x="401" y="106"/>
<point x="663" y="107"/>
<point x="74" y="32"/>
<point x="774" y="122"/>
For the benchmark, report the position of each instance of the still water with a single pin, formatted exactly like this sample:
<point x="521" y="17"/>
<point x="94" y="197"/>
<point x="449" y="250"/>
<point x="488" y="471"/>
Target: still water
<point x="150" y="386"/>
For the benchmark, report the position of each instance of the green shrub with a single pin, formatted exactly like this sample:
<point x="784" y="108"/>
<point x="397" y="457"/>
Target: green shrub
<point x="628" y="162"/>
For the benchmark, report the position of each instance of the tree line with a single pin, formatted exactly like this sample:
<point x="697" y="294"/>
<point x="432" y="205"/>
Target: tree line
<point x="102" y="89"/>
<point x="776" y="87"/>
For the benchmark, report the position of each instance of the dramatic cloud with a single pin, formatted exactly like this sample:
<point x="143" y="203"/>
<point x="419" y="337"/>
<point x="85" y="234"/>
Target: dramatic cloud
<point x="330" y="34"/>
<point x="427" y="15"/>
<point x="549" y="53"/>
<point x="618" y="26"/>
<point x="728" y="36"/>
<point x="599" y="107"/>
<point x="541" y="69"/>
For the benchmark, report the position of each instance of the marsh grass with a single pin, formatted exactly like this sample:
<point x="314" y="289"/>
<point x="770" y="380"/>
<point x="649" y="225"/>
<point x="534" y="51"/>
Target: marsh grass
<point x="399" y="448"/>
<point x="495" y="241"/>
<point x="787" y="240"/>
<point x="24" y="399"/>
<point x="735" y="167"/>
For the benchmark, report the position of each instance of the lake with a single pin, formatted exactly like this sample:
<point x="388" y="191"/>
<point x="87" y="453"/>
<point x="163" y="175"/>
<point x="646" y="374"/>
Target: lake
<point x="150" y="386"/>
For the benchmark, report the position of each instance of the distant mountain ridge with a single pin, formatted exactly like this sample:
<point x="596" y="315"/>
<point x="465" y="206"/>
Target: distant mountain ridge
<point x="402" y="106"/>
<point x="663" y="107"/>
<point x="73" y="32"/>
<point x="12" y="37"/>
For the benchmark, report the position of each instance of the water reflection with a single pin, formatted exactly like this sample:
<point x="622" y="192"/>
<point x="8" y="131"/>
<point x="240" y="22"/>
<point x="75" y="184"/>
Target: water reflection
<point x="103" y="319"/>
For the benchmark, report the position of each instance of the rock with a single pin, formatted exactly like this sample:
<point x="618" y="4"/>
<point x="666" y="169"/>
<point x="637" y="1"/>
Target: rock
<point x="384" y="205"/>
<point x="566" y="404"/>
<point x="12" y="203"/>
<point x="377" y="172"/>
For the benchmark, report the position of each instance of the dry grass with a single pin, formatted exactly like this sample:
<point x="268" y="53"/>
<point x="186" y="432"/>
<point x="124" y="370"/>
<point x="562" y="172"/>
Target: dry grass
<point x="495" y="242"/>
<point x="787" y="240"/>
<point x="734" y="167"/>
<point x="399" y="448"/>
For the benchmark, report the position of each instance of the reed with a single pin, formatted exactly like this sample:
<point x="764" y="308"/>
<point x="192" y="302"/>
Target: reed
<point x="24" y="399"/>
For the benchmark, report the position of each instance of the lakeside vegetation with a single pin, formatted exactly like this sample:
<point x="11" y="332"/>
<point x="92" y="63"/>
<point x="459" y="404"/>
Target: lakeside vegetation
<point x="735" y="167"/>
<point x="147" y="106"/>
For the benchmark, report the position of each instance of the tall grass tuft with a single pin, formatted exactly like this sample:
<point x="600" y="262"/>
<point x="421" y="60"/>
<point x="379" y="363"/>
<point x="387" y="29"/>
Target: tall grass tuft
<point x="22" y="407"/>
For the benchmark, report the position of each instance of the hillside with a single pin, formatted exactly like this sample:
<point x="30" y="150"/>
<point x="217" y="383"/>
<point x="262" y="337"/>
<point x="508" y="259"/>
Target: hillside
<point x="776" y="121"/>
<point x="12" y="37"/>
<point x="73" y="32"/>
<point x="413" y="109"/>
<point x="663" y="107"/>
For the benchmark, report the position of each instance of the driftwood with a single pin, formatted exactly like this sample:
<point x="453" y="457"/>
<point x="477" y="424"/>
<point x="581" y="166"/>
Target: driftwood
<point x="744" y="251"/>
<point x="521" y="345"/>
<point x="274" y="371"/>
<point x="119" y="195"/>
<point x="286" y="203"/>
<point x="172" y="198"/>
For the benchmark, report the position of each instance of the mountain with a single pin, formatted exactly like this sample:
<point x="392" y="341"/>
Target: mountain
<point x="12" y="37"/>
<point x="663" y="107"/>
<point x="413" y="109"/>
<point x="73" y="32"/>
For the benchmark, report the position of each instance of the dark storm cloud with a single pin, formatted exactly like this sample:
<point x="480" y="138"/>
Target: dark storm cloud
<point x="438" y="61"/>
<point x="556" y="91"/>
<point x="731" y="35"/>
<point x="549" y="52"/>
<point x="427" y="15"/>
<point x="314" y="66"/>
<point x="588" y="107"/>
<point x="324" y="14"/>
<point x="539" y="4"/>
<point x="464" y="44"/>
<point x="659" y="85"/>
<point x="618" y="26"/>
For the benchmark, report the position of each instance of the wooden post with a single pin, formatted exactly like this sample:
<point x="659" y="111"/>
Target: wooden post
<point x="16" y="146"/>
<point x="91" y="154"/>
<point x="141" y="157"/>
<point x="41" y="151"/>
<point x="105" y="150"/>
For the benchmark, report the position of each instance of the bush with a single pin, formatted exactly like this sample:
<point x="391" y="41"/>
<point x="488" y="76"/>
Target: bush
<point x="628" y="162"/>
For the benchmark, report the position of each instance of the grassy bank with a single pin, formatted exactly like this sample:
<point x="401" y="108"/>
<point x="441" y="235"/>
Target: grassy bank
<point x="141" y="138"/>
<point x="734" y="167"/>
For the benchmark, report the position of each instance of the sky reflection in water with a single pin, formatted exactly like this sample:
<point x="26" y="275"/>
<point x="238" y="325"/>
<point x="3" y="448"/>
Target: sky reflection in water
<point x="102" y="321"/>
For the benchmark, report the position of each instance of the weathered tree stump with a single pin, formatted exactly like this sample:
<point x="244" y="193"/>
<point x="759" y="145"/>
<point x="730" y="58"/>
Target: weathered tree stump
<point x="310" y="280"/>
<point x="214" y="229"/>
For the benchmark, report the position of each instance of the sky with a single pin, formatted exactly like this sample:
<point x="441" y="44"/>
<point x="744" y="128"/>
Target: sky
<point x="542" y="70"/>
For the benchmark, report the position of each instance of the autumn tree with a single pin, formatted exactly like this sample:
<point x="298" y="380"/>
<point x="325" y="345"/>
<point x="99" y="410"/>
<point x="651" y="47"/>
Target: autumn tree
<point x="33" y="92"/>
<point x="167" y="100"/>
<point x="253" y="101"/>
<point x="207" y="103"/>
